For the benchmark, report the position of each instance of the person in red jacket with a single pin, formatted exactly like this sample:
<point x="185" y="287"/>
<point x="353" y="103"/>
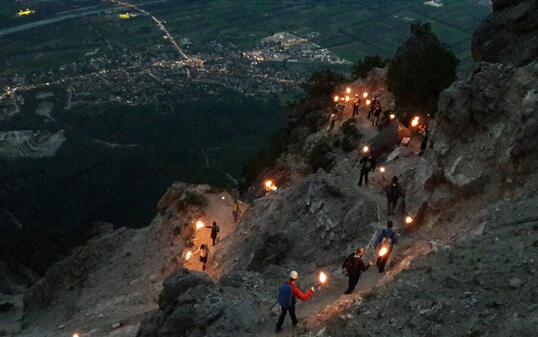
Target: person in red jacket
<point x="288" y="294"/>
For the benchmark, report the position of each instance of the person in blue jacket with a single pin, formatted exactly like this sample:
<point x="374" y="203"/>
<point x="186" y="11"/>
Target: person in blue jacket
<point x="386" y="238"/>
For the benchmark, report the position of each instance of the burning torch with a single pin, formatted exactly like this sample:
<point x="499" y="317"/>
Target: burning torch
<point x="322" y="279"/>
<point x="368" y="102"/>
<point x="365" y="94"/>
<point x="382" y="170"/>
<point x="348" y="90"/>
<point x="365" y="149"/>
<point x="269" y="186"/>
<point x="199" y="224"/>
<point x="392" y="116"/>
<point x="188" y="255"/>
<point x="415" y="121"/>
<point x="336" y="99"/>
<point x="409" y="220"/>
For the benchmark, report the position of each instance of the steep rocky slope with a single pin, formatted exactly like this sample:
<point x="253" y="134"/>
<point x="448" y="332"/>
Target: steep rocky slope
<point x="106" y="287"/>
<point x="509" y="35"/>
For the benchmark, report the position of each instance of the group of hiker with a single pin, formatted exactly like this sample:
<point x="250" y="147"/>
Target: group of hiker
<point x="375" y="111"/>
<point x="203" y="250"/>
<point x="354" y="266"/>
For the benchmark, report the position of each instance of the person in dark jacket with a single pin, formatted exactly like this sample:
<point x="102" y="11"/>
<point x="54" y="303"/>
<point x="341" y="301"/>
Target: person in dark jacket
<point x="393" y="192"/>
<point x="295" y="293"/>
<point x="385" y="239"/>
<point x="367" y="164"/>
<point x="354" y="266"/>
<point x="215" y="229"/>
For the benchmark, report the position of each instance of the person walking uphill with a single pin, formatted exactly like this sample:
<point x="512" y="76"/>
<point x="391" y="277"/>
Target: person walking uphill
<point x="393" y="192"/>
<point x="368" y="164"/>
<point x="354" y="267"/>
<point x="287" y="298"/>
<point x="384" y="243"/>
<point x="215" y="229"/>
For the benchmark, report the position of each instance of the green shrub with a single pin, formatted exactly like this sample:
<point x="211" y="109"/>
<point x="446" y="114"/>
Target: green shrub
<point x="364" y="65"/>
<point x="421" y="68"/>
<point x="351" y="135"/>
<point x="319" y="156"/>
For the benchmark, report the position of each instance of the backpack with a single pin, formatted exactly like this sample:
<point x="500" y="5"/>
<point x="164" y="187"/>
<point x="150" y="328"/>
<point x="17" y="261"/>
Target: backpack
<point x="393" y="192"/>
<point x="285" y="296"/>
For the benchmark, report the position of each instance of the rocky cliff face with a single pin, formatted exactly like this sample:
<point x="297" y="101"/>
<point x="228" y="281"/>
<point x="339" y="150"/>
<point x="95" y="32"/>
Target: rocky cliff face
<point x="509" y="35"/>
<point x="482" y="141"/>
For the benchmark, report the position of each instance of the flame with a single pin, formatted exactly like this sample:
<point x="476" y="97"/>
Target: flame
<point x="368" y="102"/>
<point x="382" y="169"/>
<point x="347" y="98"/>
<point x="188" y="255"/>
<point x="392" y="116"/>
<point x="336" y="98"/>
<point x="365" y="94"/>
<point x="322" y="277"/>
<point x="365" y="149"/>
<point x="415" y="121"/>
<point x="348" y="90"/>
<point x="268" y="183"/>
<point x="383" y="251"/>
<point x="76" y="335"/>
<point x="200" y="224"/>
<point x="408" y="219"/>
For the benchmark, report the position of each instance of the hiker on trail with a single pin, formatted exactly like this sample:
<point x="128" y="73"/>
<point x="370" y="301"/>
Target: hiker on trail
<point x="393" y="191"/>
<point x="287" y="298"/>
<point x="204" y="254"/>
<point x="368" y="164"/>
<point x="236" y="212"/>
<point x="215" y="229"/>
<point x="354" y="266"/>
<point x="376" y="114"/>
<point x="332" y="122"/>
<point x="356" y="104"/>
<point x="371" y="111"/>
<point x="385" y="241"/>
<point x="340" y="112"/>
<point x="425" y="133"/>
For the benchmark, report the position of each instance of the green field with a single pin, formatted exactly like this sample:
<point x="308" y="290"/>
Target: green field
<point x="352" y="29"/>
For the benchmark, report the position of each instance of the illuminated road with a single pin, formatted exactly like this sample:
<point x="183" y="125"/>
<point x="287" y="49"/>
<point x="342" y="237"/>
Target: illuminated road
<point x="159" y="23"/>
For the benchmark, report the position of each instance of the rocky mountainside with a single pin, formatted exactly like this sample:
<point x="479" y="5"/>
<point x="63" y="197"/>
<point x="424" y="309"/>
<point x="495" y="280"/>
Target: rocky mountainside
<point x="465" y="267"/>
<point x="509" y="34"/>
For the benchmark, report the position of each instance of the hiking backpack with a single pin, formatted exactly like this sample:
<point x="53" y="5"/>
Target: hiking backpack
<point x="285" y="296"/>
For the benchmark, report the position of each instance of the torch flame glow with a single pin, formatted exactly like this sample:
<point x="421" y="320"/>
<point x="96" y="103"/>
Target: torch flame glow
<point x="408" y="219"/>
<point x="365" y="94"/>
<point x="200" y="224"/>
<point x="347" y="98"/>
<point x="336" y="98"/>
<point x="76" y="335"/>
<point x="268" y="183"/>
<point x="368" y="102"/>
<point x="348" y="90"/>
<point x="322" y="277"/>
<point x="415" y="121"/>
<point x="365" y="149"/>
<point x="188" y="255"/>
<point x="382" y="169"/>
<point x="383" y="251"/>
<point x="392" y="116"/>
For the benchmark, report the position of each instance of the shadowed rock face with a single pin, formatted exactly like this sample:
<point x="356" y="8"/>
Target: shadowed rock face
<point x="509" y="35"/>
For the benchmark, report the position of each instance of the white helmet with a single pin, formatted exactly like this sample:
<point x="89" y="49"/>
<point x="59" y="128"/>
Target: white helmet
<point x="294" y="275"/>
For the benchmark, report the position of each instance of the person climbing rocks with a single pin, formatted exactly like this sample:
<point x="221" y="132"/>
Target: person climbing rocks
<point x="354" y="266"/>
<point x="287" y="298"/>
<point x="356" y="104"/>
<point x="384" y="243"/>
<point x="393" y="191"/>
<point x="204" y="254"/>
<point x="368" y="164"/>
<point x="215" y="229"/>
